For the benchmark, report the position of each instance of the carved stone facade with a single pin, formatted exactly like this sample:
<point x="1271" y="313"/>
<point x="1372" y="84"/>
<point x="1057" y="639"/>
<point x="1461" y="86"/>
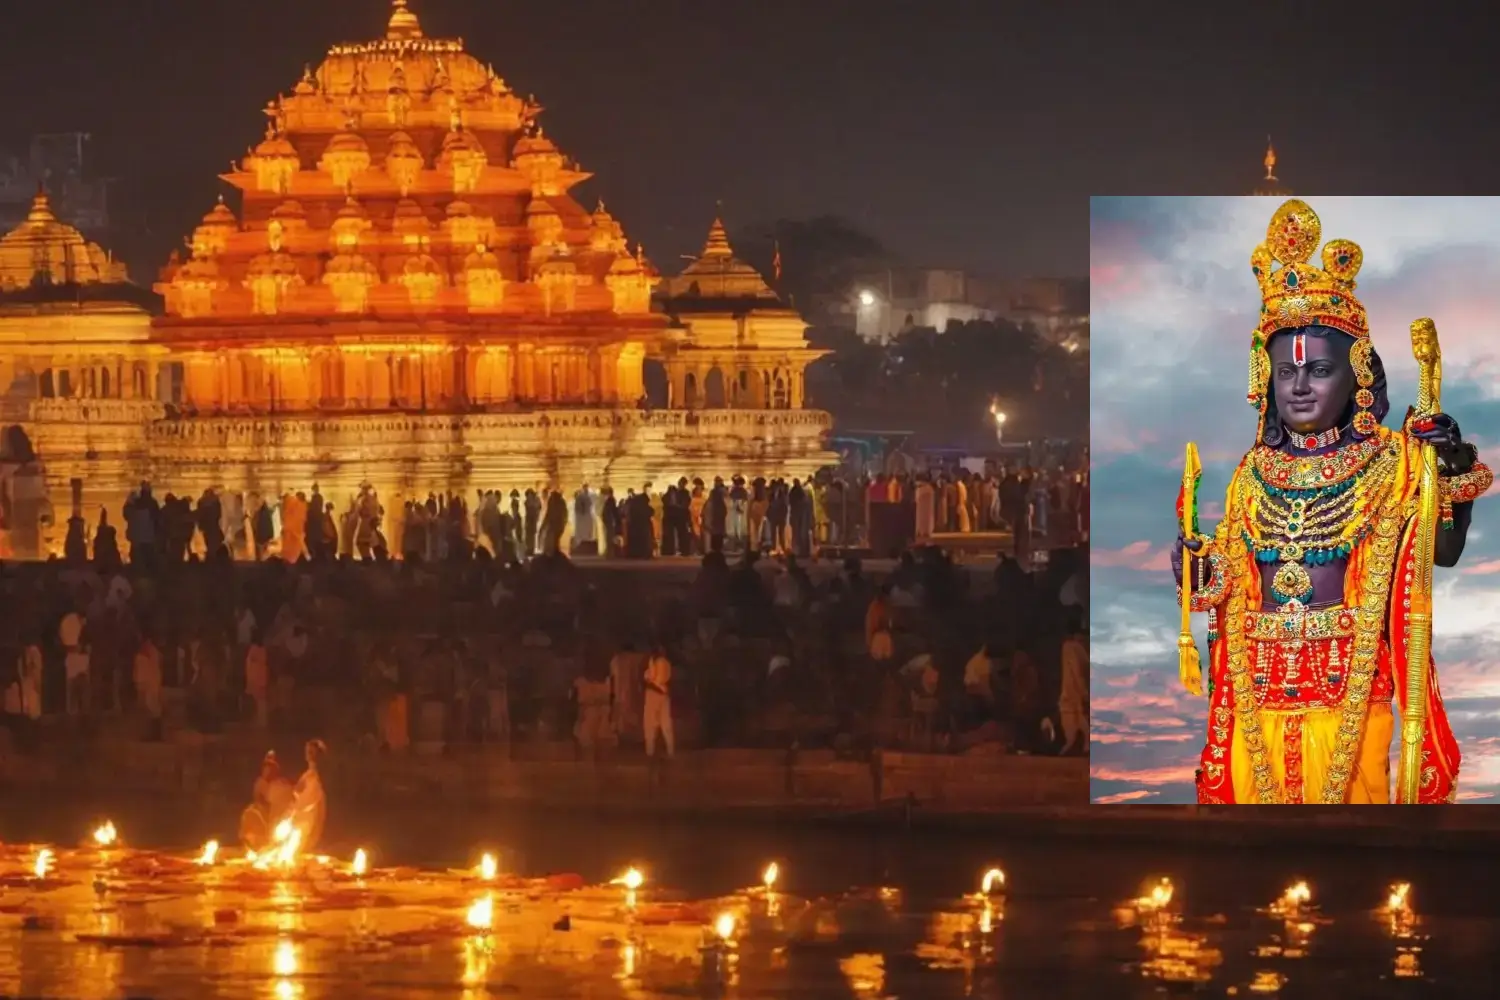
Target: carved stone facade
<point x="408" y="296"/>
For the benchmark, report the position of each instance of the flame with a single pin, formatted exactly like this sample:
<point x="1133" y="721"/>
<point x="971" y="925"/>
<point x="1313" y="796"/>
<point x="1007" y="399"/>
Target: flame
<point x="769" y="877"/>
<point x="282" y="832"/>
<point x="287" y="852"/>
<point x="1400" y="896"/>
<point x="632" y="879"/>
<point x="992" y="880"/>
<point x="986" y="919"/>
<point x="361" y="862"/>
<point x="482" y="914"/>
<point x="724" y="926"/>
<point x="106" y="834"/>
<point x="1158" y="898"/>
<point x="43" y="863"/>
<point x="488" y="867"/>
<point x="210" y="852"/>
<point x="1296" y="895"/>
<point x="285" y="961"/>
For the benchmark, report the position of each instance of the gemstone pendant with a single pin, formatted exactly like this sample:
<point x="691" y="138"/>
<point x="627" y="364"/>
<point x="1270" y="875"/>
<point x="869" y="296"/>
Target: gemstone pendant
<point x="1291" y="583"/>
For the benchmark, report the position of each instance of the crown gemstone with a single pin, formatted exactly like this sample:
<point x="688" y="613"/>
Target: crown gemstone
<point x="1343" y="258"/>
<point x="1291" y="279"/>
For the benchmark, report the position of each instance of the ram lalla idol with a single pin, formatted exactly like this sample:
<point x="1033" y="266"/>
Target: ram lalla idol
<point x="1317" y="580"/>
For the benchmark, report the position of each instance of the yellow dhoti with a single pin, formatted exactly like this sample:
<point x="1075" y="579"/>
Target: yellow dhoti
<point x="1298" y="665"/>
<point x="1303" y="745"/>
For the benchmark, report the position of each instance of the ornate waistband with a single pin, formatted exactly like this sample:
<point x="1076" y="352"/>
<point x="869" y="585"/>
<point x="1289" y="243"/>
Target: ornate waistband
<point x="1324" y="623"/>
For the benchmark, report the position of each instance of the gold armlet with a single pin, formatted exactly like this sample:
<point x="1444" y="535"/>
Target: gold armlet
<point x="1462" y="489"/>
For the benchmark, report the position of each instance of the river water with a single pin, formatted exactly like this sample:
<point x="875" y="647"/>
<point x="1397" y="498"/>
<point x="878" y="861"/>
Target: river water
<point x="856" y="913"/>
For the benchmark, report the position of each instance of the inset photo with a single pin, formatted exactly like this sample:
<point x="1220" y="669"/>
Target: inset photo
<point x="1294" y="574"/>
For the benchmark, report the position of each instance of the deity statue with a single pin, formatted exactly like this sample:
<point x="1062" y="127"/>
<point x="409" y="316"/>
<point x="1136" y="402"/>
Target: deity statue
<point x="1317" y="581"/>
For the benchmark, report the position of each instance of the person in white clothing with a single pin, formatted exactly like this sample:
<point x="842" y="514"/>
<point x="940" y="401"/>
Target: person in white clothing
<point x="658" y="714"/>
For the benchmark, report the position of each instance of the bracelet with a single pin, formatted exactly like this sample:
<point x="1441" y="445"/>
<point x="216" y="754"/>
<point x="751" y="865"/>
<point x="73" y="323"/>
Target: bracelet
<point x="1211" y="593"/>
<point x="1465" y="488"/>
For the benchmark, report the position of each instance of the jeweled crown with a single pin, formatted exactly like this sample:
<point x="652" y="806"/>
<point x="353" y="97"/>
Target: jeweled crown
<point x="1297" y="293"/>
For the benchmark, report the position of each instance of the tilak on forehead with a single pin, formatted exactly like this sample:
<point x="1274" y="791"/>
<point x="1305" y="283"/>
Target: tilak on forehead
<point x="1297" y="294"/>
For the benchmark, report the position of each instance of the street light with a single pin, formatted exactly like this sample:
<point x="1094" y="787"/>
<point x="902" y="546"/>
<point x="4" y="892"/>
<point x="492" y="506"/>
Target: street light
<point x="866" y="298"/>
<point x="999" y="416"/>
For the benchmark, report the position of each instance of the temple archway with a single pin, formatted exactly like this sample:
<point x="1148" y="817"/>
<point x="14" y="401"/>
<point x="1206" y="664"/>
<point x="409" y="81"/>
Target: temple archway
<point x="690" y="390"/>
<point x="780" y="398"/>
<point x="104" y="383"/>
<point x="713" y="389"/>
<point x="48" y="385"/>
<point x="658" y="388"/>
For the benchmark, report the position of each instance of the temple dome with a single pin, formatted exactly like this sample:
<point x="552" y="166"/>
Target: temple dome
<point x="43" y="249"/>
<point x="719" y="274"/>
<point x="403" y="161"/>
<point x="346" y="157"/>
<point x="276" y="146"/>
<point x="212" y="235"/>
<point x="403" y="23"/>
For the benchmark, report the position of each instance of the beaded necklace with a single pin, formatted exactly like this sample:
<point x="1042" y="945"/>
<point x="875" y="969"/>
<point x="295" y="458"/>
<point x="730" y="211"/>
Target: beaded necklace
<point x="1313" y="525"/>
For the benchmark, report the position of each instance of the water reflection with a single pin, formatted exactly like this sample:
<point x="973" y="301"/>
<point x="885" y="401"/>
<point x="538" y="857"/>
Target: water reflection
<point x="110" y="920"/>
<point x="1401" y="923"/>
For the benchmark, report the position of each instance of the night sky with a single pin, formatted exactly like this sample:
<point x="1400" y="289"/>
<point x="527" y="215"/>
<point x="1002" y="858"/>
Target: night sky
<point x="960" y="133"/>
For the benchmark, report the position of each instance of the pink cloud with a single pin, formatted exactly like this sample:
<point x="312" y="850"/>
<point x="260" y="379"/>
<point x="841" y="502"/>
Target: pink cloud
<point x="1137" y="556"/>
<point x="1133" y="703"/>
<point x="1146" y="775"/>
<point x="1118" y="797"/>
<point x="1481" y="569"/>
<point x="1140" y="739"/>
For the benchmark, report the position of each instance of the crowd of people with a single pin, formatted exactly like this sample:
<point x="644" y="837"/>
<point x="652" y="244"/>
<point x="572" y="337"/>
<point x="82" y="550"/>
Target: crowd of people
<point x="688" y="518"/>
<point x="391" y="655"/>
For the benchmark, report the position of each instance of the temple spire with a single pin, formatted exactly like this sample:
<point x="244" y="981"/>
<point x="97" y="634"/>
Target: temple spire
<point x="404" y="23"/>
<point x="718" y="240"/>
<point x="1270" y="160"/>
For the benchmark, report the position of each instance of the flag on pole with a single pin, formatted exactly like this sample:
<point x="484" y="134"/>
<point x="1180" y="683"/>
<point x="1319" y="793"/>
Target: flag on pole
<point x="776" y="261"/>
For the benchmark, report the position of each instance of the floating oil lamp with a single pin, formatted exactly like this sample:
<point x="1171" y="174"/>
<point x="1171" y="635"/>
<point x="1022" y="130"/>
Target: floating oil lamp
<point x="1398" y="910"/>
<point x="488" y="867"/>
<point x="769" y="876"/>
<point x="481" y="915"/>
<point x="1293" y="900"/>
<point x="361" y="863"/>
<point x="43" y="863"/>
<point x="1159" y="897"/>
<point x="105" y="834"/>
<point x="210" y="853"/>
<point x="1399" y="898"/>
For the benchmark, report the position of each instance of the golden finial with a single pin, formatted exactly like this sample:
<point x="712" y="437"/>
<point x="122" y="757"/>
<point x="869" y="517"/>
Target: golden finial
<point x="1270" y="160"/>
<point x="41" y="206"/>
<point x="404" y="23"/>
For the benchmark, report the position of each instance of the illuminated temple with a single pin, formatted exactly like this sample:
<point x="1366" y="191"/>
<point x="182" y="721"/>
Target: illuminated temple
<point x="403" y="292"/>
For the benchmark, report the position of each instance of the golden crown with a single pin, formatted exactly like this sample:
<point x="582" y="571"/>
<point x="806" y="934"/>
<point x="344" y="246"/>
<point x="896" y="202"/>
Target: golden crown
<point x="1297" y="293"/>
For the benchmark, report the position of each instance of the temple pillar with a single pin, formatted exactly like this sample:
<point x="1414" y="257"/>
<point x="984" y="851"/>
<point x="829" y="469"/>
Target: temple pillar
<point x="631" y="381"/>
<point x="799" y="386"/>
<point x="526" y="372"/>
<point x="378" y="380"/>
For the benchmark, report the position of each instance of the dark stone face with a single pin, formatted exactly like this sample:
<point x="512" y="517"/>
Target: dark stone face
<point x="1314" y="396"/>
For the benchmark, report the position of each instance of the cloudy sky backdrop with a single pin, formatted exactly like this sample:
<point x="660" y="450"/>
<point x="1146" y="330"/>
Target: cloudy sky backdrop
<point x="1173" y="306"/>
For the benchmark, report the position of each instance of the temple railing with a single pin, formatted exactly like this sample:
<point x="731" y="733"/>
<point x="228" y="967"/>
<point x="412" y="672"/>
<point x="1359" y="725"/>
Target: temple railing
<point x="96" y="411"/>
<point x="203" y="429"/>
